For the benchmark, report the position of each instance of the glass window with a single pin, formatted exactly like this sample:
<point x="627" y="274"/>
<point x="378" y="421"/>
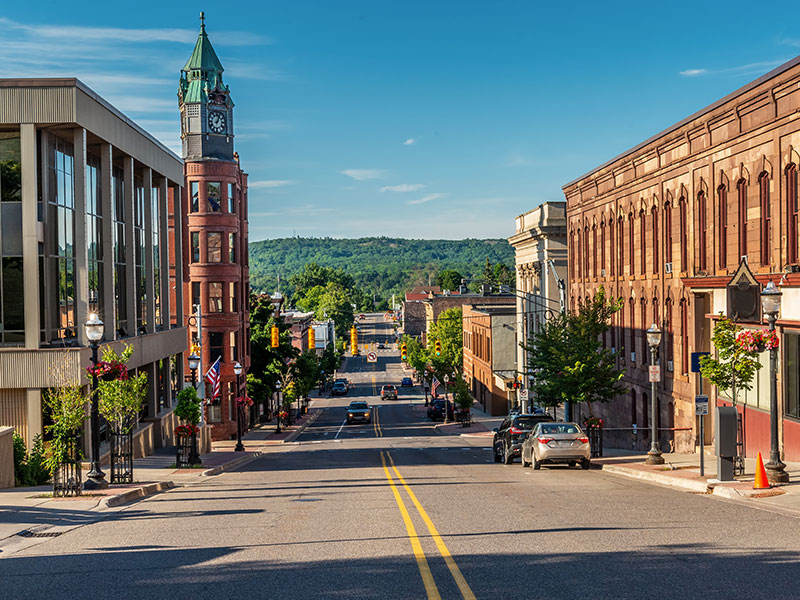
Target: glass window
<point x="214" y="346"/>
<point x="231" y="198"/>
<point x="214" y="247"/>
<point x="194" y="205"/>
<point x="232" y="295"/>
<point x="195" y="235"/>
<point x="215" y="297"/>
<point x="231" y="247"/>
<point x="791" y="371"/>
<point x="214" y="197"/>
<point x="234" y="341"/>
<point x="195" y="294"/>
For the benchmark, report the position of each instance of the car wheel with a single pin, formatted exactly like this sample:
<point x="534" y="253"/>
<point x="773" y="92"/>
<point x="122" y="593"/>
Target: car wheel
<point x="571" y="463"/>
<point x="524" y="462"/>
<point x="497" y="457"/>
<point x="536" y="464"/>
<point x="586" y="464"/>
<point x="508" y="458"/>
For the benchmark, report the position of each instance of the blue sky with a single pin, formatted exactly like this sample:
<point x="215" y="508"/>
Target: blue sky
<point x="415" y="119"/>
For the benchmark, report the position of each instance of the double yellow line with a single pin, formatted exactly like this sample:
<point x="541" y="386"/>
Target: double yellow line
<point x="422" y="562"/>
<point x="376" y="422"/>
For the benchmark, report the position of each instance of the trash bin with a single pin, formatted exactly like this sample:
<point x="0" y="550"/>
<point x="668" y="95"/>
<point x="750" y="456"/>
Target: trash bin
<point x="725" y="441"/>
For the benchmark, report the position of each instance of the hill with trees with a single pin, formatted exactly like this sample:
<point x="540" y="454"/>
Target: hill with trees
<point x="380" y="265"/>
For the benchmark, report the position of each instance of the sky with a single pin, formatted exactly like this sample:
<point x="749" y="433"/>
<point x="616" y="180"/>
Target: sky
<point x="419" y="119"/>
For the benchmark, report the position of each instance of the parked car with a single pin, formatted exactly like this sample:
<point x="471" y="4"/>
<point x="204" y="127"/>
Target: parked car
<point x="380" y="346"/>
<point x="406" y="382"/>
<point x="551" y="443"/>
<point x="338" y="389"/>
<point x="508" y="438"/>
<point x="436" y="410"/>
<point x="389" y="392"/>
<point x="358" y="410"/>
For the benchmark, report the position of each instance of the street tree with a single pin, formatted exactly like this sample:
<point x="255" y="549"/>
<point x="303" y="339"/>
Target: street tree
<point x="448" y="329"/>
<point x="335" y="304"/>
<point x="568" y="358"/>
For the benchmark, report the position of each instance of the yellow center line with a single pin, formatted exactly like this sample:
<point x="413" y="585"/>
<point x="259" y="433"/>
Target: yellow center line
<point x="462" y="584"/>
<point x="376" y="422"/>
<point x="419" y="555"/>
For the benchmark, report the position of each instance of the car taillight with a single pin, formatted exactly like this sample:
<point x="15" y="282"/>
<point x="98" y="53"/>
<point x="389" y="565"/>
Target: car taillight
<point x="515" y="430"/>
<point x="583" y="440"/>
<point x="544" y="440"/>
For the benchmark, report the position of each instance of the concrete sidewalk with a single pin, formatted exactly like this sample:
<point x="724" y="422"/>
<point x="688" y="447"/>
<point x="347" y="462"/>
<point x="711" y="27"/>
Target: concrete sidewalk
<point x="30" y="512"/>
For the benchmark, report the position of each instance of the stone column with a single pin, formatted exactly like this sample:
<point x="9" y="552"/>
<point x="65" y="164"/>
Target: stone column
<point x="149" y="285"/>
<point x="81" y="293"/>
<point x="130" y="246"/>
<point x="109" y="316"/>
<point x="30" y="229"/>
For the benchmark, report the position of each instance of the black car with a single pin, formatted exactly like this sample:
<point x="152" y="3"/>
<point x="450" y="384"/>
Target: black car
<point x="358" y="411"/>
<point x="338" y="389"/>
<point x="436" y="410"/>
<point x="508" y="438"/>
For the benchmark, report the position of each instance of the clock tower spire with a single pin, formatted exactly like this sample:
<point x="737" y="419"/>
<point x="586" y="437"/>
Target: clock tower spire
<point x="205" y="104"/>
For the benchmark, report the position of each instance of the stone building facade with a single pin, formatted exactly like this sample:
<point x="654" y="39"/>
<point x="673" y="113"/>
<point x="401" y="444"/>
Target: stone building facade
<point x="214" y="232"/>
<point x="664" y="226"/>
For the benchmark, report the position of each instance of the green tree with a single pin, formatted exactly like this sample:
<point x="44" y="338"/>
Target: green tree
<point x="568" y="358"/>
<point x="335" y="304"/>
<point x="461" y="394"/>
<point x="449" y="279"/>
<point x="188" y="406"/>
<point x="449" y="330"/>
<point x="418" y="357"/>
<point x="735" y="365"/>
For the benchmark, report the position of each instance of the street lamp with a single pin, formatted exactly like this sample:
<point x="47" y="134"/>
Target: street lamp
<point x="654" y="454"/>
<point x="771" y="304"/>
<point x="194" y="364"/>
<point x="446" y="401"/>
<point x="278" y="407"/>
<point x="237" y="369"/>
<point x="95" y="478"/>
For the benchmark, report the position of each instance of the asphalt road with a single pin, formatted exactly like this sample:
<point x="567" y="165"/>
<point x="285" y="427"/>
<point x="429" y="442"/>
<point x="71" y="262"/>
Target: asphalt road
<point x="392" y="509"/>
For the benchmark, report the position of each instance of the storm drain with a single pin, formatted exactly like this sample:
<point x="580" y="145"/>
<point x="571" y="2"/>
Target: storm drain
<point x="39" y="534"/>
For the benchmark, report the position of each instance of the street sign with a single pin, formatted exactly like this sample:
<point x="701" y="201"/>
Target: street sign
<point x="523" y="395"/>
<point x="701" y="405"/>
<point x="372" y="356"/>
<point x="655" y="373"/>
<point x="696" y="356"/>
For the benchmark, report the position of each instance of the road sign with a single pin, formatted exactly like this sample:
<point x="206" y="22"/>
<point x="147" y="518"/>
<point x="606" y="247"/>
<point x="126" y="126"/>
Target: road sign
<point x="696" y="356"/>
<point x="372" y="356"/>
<point x="701" y="405"/>
<point x="655" y="373"/>
<point x="523" y="395"/>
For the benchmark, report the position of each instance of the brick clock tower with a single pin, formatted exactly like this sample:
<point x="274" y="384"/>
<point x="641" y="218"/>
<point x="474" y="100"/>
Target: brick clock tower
<point x="214" y="232"/>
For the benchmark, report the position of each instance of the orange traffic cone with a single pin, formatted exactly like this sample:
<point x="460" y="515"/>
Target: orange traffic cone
<point x="761" y="482"/>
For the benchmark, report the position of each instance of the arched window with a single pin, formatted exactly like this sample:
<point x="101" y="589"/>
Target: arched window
<point x="669" y="340"/>
<point x="594" y="250"/>
<point x="621" y="244"/>
<point x="611" y="248"/>
<point x="631" y="345"/>
<point x="572" y="254"/>
<point x="642" y="337"/>
<point x="642" y="243"/>
<point x="741" y="190"/>
<point x="668" y="232"/>
<point x="630" y="245"/>
<point x="586" y="251"/>
<point x="656" y="316"/>
<point x="602" y="248"/>
<point x="791" y="213"/>
<point x="684" y="337"/>
<point x="578" y="261"/>
<point x="654" y="217"/>
<point x="684" y="239"/>
<point x="634" y="415"/>
<point x="702" y="232"/>
<point x="722" y="226"/>
<point x="763" y="201"/>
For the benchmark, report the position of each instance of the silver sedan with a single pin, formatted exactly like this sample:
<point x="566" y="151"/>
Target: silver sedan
<point x="553" y="443"/>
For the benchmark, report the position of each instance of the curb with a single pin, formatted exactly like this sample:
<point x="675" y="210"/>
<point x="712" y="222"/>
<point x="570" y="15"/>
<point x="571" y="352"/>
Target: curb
<point x="135" y="494"/>
<point x="295" y="434"/>
<point x="231" y="464"/>
<point x="674" y="482"/>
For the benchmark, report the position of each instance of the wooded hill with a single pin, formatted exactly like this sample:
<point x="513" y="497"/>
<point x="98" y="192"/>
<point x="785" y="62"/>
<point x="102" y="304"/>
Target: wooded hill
<point x="379" y="265"/>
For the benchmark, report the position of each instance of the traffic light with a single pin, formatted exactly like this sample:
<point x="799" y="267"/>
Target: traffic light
<point x="438" y="347"/>
<point x="403" y="351"/>
<point x="354" y="340"/>
<point x="312" y="339"/>
<point x="275" y="334"/>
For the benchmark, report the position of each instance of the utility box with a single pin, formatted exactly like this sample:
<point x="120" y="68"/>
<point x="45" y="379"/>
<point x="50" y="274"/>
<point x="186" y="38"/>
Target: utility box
<point x="725" y="439"/>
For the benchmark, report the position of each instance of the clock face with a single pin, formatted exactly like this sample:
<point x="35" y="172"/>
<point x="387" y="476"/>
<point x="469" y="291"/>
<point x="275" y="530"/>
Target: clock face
<point x="216" y="121"/>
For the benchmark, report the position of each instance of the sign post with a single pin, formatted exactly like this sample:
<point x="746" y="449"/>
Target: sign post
<point x="700" y="402"/>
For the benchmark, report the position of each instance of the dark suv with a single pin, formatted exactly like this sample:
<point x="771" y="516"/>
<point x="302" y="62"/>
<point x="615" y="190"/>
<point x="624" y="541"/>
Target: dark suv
<point x="508" y="438"/>
<point x="436" y="410"/>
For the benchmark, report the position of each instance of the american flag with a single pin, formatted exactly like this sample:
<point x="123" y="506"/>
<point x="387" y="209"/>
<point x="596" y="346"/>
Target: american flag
<point x="212" y="377"/>
<point x="435" y="384"/>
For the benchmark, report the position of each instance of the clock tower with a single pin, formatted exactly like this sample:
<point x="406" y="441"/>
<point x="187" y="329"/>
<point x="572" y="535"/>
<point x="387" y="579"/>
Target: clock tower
<point x="205" y="104"/>
<point x="214" y="235"/>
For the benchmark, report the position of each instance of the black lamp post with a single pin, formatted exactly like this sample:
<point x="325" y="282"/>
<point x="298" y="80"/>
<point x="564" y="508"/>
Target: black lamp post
<point x="446" y="401"/>
<point x="194" y="363"/>
<point x="237" y="369"/>
<point x="278" y="408"/>
<point x="654" y="454"/>
<point x="771" y="304"/>
<point x="95" y="478"/>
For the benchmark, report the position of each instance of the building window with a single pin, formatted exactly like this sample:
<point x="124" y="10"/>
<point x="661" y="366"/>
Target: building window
<point x="215" y="347"/>
<point x="214" y="197"/>
<point x="139" y="252"/>
<point x="631" y="345"/>
<point x="702" y="259"/>
<point x="215" y="297"/>
<point x="94" y="234"/>
<point x="722" y="224"/>
<point x="195" y="235"/>
<point x="611" y="253"/>
<point x="214" y="247"/>
<point x="195" y="294"/>
<point x="741" y="189"/>
<point x="642" y="337"/>
<point x="231" y="198"/>
<point x="654" y="217"/>
<point x="642" y="243"/>
<point x="233" y="296"/>
<point x="586" y="251"/>
<point x="684" y="234"/>
<point x="602" y="247"/>
<point x="621" y="244"/>
<point x="12" y="305"/>
<point x="684" y="337"/>
<point x="571" y="254"/>
<point x="766" y="215"/>
<point x="120" y="258"/>
<point x="631" y="229"/>
<point x="578" y="257"/>
<point x="594" y="250"/>
<point x="669" y="338"/>
<point x="234" y="341"/>
<point x="231" y="247"/>
<point x="792" y="372"/>
<point x="155" y="200"/>
<point x="195" y="199"/>
<point x="791" y="213"/>
<point x="668" y="232"/>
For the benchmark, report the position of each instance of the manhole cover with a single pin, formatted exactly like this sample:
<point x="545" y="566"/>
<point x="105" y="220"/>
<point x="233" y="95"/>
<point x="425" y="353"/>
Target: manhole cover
<point x="39" y="534"/>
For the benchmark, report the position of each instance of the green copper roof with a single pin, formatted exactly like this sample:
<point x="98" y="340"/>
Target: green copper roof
<point x="202" y="73"/>
<point x="203" y="57"/>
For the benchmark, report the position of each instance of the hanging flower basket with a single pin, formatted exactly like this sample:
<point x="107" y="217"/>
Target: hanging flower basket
<point x="593" y="422"/>
<point x="108" y="371"/>
<point x="243" y="401"/>
<point x="757" y="340"/>
<point x="186" y="430"/>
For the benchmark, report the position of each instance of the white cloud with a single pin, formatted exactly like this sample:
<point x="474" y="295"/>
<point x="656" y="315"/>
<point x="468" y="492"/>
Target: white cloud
<point x="364" y="174"/>
<point x="269" y="183"/>
<point x="693" y="72"/>
<point x="403" y="187"/>
<point x="427" y="198"/>
<point x="409" y="142"/>
<point x="756" y="68"/>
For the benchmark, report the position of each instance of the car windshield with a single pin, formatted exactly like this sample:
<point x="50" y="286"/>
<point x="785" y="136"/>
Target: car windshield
<point x="388" y="387"/>
<point x="358" y="405"/>
<point x="338" y="384"/>
<point x="551" y="428"/>
<point x="527" y="422"/>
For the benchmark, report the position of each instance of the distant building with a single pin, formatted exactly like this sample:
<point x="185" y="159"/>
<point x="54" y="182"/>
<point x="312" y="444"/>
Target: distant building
<point x="436" y="305"/>
<point x="299" y="323"/>
<point x="489" y="354"/>
<point x="540" y="244"/>
<point x="324" y="334"/>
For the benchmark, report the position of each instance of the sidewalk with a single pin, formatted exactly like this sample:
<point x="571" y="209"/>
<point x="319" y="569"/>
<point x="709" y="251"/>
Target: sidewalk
<point x="33" y="512"/>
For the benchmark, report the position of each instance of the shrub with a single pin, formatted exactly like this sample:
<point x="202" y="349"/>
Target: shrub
<point x="188" y="407"/>
<point x="29" y="470"/>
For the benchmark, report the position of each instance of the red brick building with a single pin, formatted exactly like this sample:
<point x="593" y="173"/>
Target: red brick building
<point x="213" y="229"/>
